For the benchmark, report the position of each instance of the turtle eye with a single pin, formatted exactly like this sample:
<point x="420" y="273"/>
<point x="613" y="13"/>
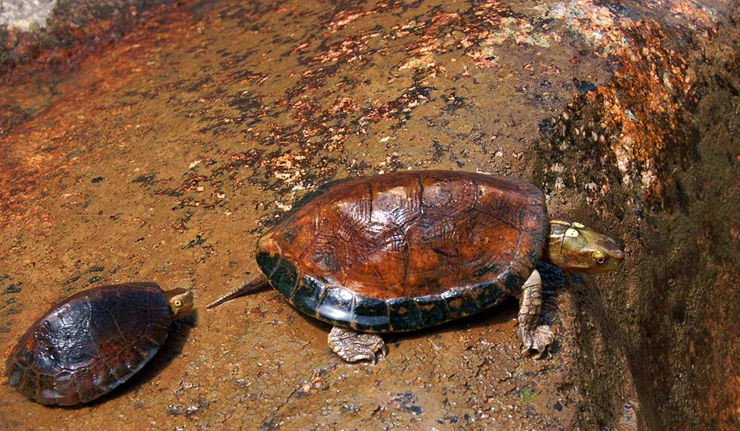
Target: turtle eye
<point x="178" y="303"/>
<point x="599" y="257"/>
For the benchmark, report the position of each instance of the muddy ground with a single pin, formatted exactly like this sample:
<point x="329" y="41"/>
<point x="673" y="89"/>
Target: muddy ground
<point x="163" y="152"/>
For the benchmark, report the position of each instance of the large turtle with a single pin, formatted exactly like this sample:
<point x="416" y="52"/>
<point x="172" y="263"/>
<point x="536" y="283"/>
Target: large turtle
<point x="408" y="250"/>
<point x="93" y="341"/>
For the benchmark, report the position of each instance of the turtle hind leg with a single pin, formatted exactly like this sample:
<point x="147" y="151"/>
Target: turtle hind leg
<point x="537" y="338"/>
<point x="355" y="346"/>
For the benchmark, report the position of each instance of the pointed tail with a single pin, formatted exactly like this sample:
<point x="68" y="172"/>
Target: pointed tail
<point x="254" y="282"/>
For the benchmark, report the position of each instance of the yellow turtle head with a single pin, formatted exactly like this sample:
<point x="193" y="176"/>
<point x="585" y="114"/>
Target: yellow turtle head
<point x="181" y="302"/>
<point x="574" y="247"/>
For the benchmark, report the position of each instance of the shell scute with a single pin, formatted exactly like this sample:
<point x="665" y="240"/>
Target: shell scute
<point x="337" y="306"/>
<point x="307" y="295"/>
<point x="460" y="303"/>
<point x="404" y="313"/>
<point x="433" y="310"/>
<point x="371" y="314"/>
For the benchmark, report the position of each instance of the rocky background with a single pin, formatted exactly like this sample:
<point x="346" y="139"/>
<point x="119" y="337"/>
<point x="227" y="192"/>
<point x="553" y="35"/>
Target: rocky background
<point x="157" y="140"/>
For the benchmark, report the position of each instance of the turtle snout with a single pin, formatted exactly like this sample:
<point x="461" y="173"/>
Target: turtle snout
<point x="612" y="248"/>
<point x="614" y="255"/>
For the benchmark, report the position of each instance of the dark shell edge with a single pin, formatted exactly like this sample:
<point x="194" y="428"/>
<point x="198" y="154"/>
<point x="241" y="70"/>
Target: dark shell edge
<point x="339" y="306"/>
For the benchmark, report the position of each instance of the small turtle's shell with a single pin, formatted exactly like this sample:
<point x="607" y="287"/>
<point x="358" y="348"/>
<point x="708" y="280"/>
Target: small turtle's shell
<point x="406" y="250"/>
<point x="90" y="343"/>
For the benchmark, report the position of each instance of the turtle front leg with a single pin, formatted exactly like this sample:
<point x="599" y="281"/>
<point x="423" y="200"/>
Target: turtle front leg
<point x="355" y="346"/>
<point x="538" y="338"/>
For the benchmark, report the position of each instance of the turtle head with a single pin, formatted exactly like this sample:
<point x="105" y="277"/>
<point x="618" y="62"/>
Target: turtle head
<point x="574" y="247"/>
<point x="181" y="302"/>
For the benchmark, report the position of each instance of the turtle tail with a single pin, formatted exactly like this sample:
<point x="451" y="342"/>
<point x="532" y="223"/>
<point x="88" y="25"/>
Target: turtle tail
<point x="253" y="283"/>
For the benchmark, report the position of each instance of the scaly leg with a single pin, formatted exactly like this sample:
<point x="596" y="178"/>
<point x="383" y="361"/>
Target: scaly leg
<point x="356" y="346"/>
<point x="538" y="338"/>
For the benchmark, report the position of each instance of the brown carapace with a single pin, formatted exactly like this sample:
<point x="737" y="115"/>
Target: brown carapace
<point x="408" y="250"/>
<point x="93" y="341"/>
<point x="411" y="235"/>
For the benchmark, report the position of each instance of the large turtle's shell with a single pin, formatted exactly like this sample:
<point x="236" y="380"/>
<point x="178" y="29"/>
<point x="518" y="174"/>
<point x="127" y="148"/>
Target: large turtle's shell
<point x="90" y="343"/>
<point x="406" y="250"/>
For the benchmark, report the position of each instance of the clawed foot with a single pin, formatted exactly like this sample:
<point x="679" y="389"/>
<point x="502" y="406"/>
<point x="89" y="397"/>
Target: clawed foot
<point x="538" y="340"/>
<point x="356" y="346"/>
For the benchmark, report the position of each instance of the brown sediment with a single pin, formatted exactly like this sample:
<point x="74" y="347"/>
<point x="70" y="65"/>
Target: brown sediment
<point x="165" y="154"/>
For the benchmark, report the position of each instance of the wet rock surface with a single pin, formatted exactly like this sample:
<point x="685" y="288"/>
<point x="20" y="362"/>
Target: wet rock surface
<point x="164" y="154"/>
<point x="25" y="14"/>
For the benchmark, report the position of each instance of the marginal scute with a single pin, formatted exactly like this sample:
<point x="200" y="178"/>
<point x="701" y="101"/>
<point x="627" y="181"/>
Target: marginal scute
<point x="116" y="367"/>
<point x="371" y="314"/>
<point x="337" y="306"/>
<point x="267" y="262"/>
<point x="404" y="313"/>
<point x="514" y="282"/>
<point x="488" y="294"/>
<point x="307" y="295"/>
<point x="281" y="272"/>
<point x="14" y="375"/>
<point x="433" y="310"/>
<point x="460" y="302"/>
<point x="413" y="249"/>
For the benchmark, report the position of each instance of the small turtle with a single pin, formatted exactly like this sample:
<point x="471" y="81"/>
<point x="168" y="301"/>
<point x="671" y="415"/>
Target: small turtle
<point x="409" y="250"/>
<point x="93" y="341"/>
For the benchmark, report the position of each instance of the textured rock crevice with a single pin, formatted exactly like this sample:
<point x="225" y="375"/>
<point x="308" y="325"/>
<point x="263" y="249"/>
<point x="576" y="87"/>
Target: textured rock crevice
<point x="672" y="313"/>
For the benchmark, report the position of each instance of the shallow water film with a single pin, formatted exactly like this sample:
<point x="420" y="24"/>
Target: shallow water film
<point x="156" y="141"/>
